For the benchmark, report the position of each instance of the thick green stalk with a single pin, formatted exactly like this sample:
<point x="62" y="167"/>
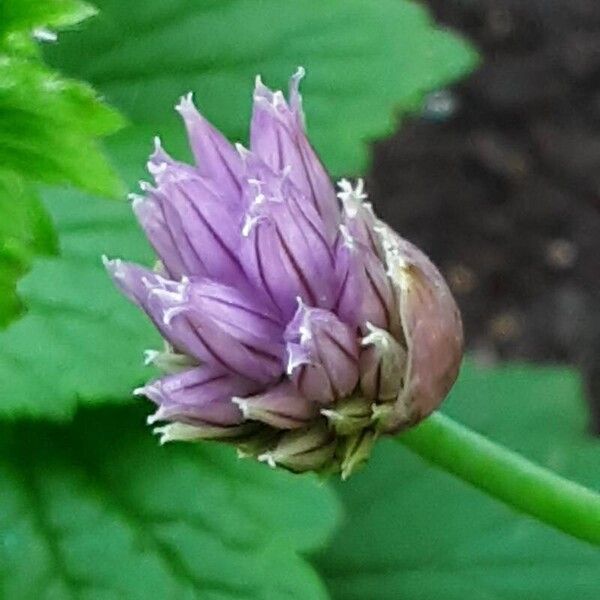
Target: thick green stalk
<point x="525" y="486"/>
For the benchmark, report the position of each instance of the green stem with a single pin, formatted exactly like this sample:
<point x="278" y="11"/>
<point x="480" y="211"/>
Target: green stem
<point x="527" y="487"/>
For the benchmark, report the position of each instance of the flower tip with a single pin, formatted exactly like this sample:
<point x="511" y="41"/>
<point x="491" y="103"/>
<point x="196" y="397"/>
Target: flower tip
<point x="114" y="266"/>
<point x="164" y="434"/>
<point x="185" y="106"/>
<point x="299" y="74"/>
<point x="242" y="150"/>
<point x="150" y="356"/>
<point x="154" y="417"/>
<point x="134" y="198"/>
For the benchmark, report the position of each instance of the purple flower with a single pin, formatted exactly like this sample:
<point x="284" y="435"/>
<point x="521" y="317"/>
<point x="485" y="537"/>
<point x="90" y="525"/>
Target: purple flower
<point x="297" y="326"/>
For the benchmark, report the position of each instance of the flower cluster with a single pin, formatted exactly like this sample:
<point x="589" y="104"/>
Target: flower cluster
<point x="297" y="326"/>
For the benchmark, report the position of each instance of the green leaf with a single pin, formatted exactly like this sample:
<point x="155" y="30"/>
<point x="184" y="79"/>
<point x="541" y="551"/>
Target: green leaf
<point x="80" y="342"/>
<point x="415" y="533"/>
<point x="48" y="131"/>
<point x="25" y="230"/>
<point x="98" y="510"/>
<point x="366" y="62"/>
<point x="18" y="16"/>
<point x="48" y="127"/>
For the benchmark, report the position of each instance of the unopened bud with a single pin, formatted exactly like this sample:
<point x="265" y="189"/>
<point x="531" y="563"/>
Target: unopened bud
<point x="382" y="365"/>
<point x="184" y="432"/>
<point x="301" y="450"/>
<point x="355" y="451"/>
<point x="282" y="406"/>
<point x="349" y="415"/>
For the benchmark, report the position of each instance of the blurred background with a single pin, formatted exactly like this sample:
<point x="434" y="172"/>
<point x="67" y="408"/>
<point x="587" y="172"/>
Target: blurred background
<point x="477" y="126"/>
<point x="499" y="181"/>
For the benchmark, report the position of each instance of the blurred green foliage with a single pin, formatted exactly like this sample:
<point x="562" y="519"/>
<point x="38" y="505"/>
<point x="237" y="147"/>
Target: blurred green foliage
<point x="366" y="63"/>
<point x="48" y="131"/>
<point x="99" y="510"/>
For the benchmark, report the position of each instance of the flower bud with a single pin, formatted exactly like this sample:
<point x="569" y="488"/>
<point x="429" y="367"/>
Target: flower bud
<point x="284" y="244"/>
<point x="310" y="449"/>
<point x="179" y="431"/>
<point x="350" y="415"/>
<point x="365" y="293"/>
<point x="295" y="329"/>
<point x="277" y="134"/>
<point x="282" y="407"/>
<point x="322" y="354"/>
<point x="382" y="365"/>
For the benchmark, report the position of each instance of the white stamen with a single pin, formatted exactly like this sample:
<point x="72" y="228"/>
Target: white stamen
<point x="332" y="415"/>
<point x="278" y="98"/>
<point x="352" y="197"/>
<point x="305" y="334"/>
<point x="294" y="363"/>
<point x="160" y="415"/>
<point x="300" y="73"/>
<point x="135" y="198"/>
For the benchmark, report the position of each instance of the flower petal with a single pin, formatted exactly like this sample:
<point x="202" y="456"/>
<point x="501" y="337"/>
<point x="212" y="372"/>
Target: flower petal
<point x="281" y="406"/>
<point x="277" y="135"/>
<point x="194" y="230"/>
<point x="284" y="249"/>
<point x="222" y="326"/>
<point x="201" y="395"/>
<point x="365" y="293"/>
<point x="135" y="282"/>
<point x="216" y="158"/>
<point x="177" y="259"/>
<point x="332" y="350"/>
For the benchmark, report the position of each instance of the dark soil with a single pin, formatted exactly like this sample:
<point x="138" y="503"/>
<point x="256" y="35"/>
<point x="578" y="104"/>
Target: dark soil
<point x="499" y="182"/>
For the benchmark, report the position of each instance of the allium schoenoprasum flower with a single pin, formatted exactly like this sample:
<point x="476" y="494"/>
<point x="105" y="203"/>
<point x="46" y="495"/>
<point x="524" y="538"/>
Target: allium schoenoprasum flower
<point x="297" y="326"/>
